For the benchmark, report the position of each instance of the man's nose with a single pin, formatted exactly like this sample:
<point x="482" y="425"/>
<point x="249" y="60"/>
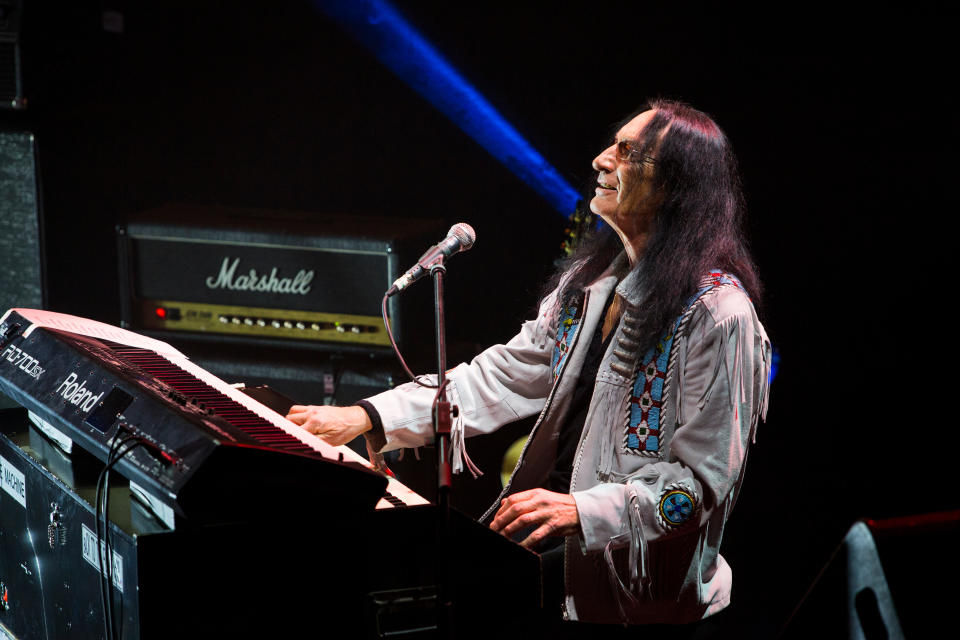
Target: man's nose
<point x="606" y="161"/>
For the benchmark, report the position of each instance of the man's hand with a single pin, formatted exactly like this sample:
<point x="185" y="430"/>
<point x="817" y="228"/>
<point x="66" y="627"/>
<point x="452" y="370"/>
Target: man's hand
<point x="552" y="514"/>
<point x="336" y="425"/>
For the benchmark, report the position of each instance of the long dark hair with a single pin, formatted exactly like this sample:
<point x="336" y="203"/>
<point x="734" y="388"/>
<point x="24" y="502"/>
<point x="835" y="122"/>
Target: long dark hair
<point x="697" y="227"/>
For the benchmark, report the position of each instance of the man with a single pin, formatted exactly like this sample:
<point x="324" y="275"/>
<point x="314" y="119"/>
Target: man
<point x="649" y="369"/>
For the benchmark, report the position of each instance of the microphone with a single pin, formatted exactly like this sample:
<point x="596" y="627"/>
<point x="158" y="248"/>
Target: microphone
<point x="460" y="238"/>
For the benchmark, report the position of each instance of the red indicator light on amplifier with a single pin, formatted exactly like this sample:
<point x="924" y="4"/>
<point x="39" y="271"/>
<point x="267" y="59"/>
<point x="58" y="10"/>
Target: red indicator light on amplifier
<point x="167" y="313"/>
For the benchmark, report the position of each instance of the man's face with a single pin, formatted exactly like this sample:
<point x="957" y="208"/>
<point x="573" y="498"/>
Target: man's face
<point x="620" y="198"/>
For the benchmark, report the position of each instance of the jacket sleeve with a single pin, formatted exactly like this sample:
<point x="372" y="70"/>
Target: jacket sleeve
<point x="502" y="384"/>
<point x="722" y="384"/>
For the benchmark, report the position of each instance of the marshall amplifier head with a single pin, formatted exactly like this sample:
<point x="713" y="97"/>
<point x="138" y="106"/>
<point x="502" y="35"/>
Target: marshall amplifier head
<point x="241" y="275"/>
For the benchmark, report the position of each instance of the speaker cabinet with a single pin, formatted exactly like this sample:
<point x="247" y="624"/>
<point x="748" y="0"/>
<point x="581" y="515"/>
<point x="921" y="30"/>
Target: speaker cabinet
<point x="22" y="277"/>
<point x="11" y="83"/>
<point x="887" y="579"/>
<point x="21" y="248"/>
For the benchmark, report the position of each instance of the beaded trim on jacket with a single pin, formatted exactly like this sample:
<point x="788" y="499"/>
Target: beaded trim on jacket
<point x="642" y="432"/>
<point x="567" y="327"/>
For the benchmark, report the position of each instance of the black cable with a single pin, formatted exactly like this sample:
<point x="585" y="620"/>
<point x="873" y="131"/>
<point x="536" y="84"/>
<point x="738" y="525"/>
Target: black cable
<point x="108" y="547"/>
<point x="102" y="508"/>
<point x="98" y="507"/>
<point x="396" y="349"/>
<point x="103" y="480"/>
<point x="436" y="397"/>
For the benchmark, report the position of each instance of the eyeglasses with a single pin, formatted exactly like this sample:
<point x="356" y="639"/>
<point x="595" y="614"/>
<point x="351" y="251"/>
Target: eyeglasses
<point x="629" y="151"/>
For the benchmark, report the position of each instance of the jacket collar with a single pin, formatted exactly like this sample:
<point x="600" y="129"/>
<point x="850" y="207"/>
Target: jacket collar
<point x="630" y="287"/>
<point x="601" y="287"/>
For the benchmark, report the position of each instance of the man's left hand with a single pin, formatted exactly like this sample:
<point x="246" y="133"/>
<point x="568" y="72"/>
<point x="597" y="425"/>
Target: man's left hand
<point x="547" y="512"/>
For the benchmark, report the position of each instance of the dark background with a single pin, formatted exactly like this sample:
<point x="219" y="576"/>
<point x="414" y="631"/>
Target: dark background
<point x="843" y="125"/>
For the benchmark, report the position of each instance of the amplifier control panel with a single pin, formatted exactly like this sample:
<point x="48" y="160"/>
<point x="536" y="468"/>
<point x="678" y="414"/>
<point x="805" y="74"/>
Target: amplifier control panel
<point x="171" y="315"/>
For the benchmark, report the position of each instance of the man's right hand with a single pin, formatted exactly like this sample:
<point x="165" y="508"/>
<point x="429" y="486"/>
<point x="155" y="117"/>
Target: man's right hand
<point x="336" y="425"/>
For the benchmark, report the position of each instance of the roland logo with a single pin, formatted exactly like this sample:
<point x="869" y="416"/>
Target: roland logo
<point x="254" y="281"/>
<point x="78" y="394"/>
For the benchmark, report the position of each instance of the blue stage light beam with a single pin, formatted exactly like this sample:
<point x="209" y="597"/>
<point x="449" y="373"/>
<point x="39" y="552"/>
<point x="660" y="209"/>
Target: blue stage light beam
<point x="398" y="46"/>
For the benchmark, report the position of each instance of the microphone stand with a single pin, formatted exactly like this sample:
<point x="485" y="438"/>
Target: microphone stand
<point x="442" y="424"/>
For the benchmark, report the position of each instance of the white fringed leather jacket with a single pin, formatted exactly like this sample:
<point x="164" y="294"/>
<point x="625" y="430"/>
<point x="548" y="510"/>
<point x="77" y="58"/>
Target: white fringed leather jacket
<point x="651" y="521"/>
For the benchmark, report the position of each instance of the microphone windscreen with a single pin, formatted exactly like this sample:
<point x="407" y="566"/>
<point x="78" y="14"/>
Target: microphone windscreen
<point x="464" y="233"/>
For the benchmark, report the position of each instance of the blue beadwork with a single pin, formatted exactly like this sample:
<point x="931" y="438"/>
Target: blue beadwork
<point x="566" y="330"/>
<point x="643" y="425"/>
<point x="676" y="507"/>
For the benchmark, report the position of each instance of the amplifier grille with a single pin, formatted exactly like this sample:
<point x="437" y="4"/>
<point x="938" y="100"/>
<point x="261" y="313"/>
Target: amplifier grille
<point x="20" y="244"/>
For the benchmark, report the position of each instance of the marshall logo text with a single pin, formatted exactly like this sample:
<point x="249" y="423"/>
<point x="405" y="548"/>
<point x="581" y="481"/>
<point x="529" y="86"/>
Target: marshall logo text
<point x="253" y="281"/>
<point x="78" y="394"/>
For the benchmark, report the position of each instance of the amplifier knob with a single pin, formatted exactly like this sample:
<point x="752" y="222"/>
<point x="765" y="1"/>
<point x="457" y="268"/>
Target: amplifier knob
<point x="261" y="322"/>
<point x="300" y="325"/>
<point x="235" y="320"/>
<point x="276" y="324"/>
<point x="355" y="329"/>
<point x="287" y="324"/>
<point x="248" y="322"/>
<point x="315" y="326"/>
<point x="223" y="319"/>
